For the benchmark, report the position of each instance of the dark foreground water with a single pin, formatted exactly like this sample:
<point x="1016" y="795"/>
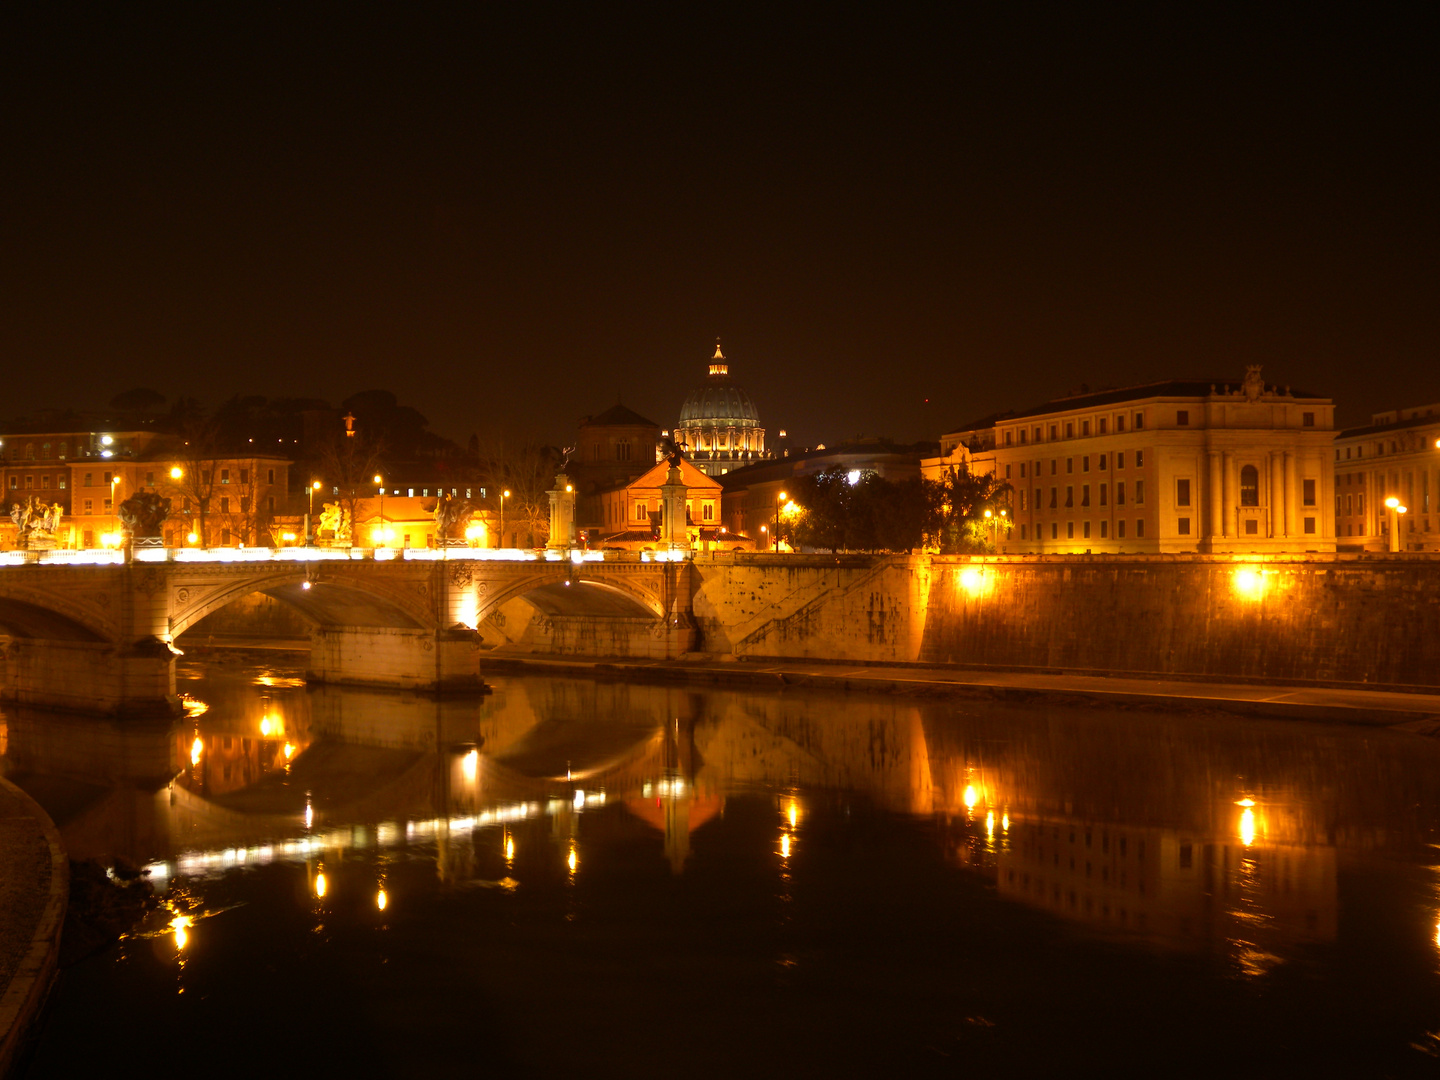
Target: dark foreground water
<point x="572" y="878"/>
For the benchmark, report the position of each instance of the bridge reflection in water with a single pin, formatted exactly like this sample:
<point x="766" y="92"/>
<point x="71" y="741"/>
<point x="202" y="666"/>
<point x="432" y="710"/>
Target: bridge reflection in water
<point x="1150" y="829"/>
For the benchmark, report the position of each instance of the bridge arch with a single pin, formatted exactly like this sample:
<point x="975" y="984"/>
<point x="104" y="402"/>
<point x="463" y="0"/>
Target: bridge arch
<point x="49" y="618"/>
<point x="575" y="596"/>
<point x="323" y="601"/>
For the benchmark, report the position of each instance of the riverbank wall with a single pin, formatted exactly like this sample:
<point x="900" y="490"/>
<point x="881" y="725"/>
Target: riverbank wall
<point x="1345" y="618"/>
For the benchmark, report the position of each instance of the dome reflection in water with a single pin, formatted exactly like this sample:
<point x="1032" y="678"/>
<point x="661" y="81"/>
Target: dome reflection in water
<point x="606" y="877"/>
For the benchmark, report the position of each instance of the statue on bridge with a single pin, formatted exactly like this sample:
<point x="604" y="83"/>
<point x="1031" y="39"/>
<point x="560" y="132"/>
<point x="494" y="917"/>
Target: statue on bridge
<point x="335" y="520"/>
<point x="450" y="511"/>
<point x="142" y="514"/>
<point x="36" y="522"/>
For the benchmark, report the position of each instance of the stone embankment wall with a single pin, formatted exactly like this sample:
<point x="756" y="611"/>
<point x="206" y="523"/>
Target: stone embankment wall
<point x="1345" y="618"/>
<point x="846" y="607"/>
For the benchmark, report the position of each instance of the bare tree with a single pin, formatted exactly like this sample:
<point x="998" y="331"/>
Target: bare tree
<point x="526" y="469"/>
<point x="348" y="465"/>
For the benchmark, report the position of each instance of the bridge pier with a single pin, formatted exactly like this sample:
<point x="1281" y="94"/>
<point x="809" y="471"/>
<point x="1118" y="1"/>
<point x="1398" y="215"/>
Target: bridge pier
<point x="93" y="677"/>
<point x="397" y="658"/>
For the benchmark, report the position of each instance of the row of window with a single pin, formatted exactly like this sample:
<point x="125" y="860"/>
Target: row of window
<point x="1380" y="451"/>
<point x="1183" y="491"/>
<point x="1104" y="533"/>
<point x="1101" y="428"/>
<point x="1102" y="462"/>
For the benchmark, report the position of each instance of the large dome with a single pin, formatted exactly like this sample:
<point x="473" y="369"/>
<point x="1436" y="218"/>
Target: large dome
<point x="719" y="425"/>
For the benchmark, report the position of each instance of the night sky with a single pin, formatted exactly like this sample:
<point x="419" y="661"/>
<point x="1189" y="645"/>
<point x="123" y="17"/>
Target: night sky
<point x="519" y="214"/>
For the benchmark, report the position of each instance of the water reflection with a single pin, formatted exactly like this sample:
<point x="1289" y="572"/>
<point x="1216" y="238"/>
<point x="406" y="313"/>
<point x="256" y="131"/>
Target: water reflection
<point x="1228" y="837"/>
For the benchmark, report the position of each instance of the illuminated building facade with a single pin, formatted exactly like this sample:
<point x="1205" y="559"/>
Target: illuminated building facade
<point x="1173" y="466"/>
<point x="1394" y="456"/>
<point x="632" y="513"/>
<point x="614" y="448"/>
<point x="719" y="426"/>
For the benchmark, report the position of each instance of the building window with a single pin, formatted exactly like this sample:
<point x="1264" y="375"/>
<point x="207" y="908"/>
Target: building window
<point x="1054" y="497"/>
<point x="1054" y="466"/>
<point x="1310" y="525"/>
<point x="1069" y="497"/>
<point x="1182" y="493"/>
<point x="622" y="450"/>
<point x="225" y="504"/>
<point x="29" y="451"/>
<point x="707" y="511"/>
<point x="1007" y="471"/>
<point x="89" y="506"/>
<point x="61" y="483"/>
<point x="1022" y="470"/>
<point x="1085" y="530"/>
<point x="1104" y="526"/>
<point x="29" y="481"/>
<point x="1119" y="424"/>
<point x="1103" y="493"/>
<point x="1249" y="486"/>
<point x="1070" y="430"/>
<point x="270" y="504"/>
<point x="244" y="476"/>
<point x="1037" y="432"/>
<point x="64" y="450"/>
<point x="1139" y="528"/>
<point x="1069" y="464"/>
<point x="109" y="477"/>
<point x="1139" y="494"/>
<point x="1182" y="526"/>
<point x="1008" y="439"/>
<point x="108" y="506"/>
<point x="224" y="537"/>
<point x="1054" y="530"/>
<point x="269" y="476"/>
<point x="1085" y="495"/>
<point x="1252" y="527"/>
<point x="640" y="514"/>
<point x="1139" y="459"/>
<point x="1054" y="432"/>
<point x="1119" y="461"/>
<point x="1085" y="463"/>
<point x="1182" y="418"/>
<point x="1120" y="529"/>
<point x="1069" y="530"/>
<point x="1022" y="436"/>
<point x="244" y="504"/>
<point x="1085" y="430"/>
<point x="1023" y="528"/>
<point x="1307" y="419"/>
<point x="224" y="476"/>
<point x="1309" y="492"/>
<point x="1120" y="493"/>
<point x="14" y="482"/>
<point x="45" y="483"/>
<point x="1022" y="498"/>
<point x="89" y="480"/>
<point x="1101" y="429"/>
<point x="1139" y="423"/>
<point x="1039" y="499"/>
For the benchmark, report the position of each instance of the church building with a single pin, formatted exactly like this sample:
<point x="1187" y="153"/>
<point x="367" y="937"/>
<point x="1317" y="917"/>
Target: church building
<point x="719" y="427"/>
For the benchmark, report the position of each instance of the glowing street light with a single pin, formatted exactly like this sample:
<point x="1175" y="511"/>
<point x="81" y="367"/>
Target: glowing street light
<point x="500" y="540"/>
<point x="310" y="517"/>
<point x="1395" y="508"/>
<point x="778" y="501"/>
<point x="380" y="536"/>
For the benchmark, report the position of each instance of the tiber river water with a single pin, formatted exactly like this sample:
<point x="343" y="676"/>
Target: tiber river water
<point x="576" y="878"/>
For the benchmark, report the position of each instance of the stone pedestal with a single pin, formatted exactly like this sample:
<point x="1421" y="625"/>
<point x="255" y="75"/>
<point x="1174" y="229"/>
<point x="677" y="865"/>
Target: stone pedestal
<point x="562" y="514"/>
<point x="674" y="522"/>
<point x="400" y="659"/>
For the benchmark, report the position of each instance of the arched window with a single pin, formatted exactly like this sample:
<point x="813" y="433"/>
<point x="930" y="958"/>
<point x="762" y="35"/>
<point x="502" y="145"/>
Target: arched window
<point x="64" y="450"/>
<point x="1249" y="486"/>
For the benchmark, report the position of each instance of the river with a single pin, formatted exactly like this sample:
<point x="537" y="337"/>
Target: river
<point x="599" y="877"/>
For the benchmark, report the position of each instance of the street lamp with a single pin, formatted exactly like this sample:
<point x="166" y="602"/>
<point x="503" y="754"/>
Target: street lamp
<point x="500" y="540"/>
<point x="115" y="506"/>
<point x="1394" y="506"/>
<point x="380" y="482"/>
<point x="310" y="517"/>
<point x="778" y="501"/>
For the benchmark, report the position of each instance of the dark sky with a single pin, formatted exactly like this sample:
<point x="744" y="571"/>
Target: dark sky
<point x="520" y="214"/>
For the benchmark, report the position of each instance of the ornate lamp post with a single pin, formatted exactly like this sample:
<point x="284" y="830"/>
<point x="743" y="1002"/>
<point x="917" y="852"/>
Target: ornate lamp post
<point x="500" y="541"/>
<point x="310" y="517"/>
<point x="380" y="483"/>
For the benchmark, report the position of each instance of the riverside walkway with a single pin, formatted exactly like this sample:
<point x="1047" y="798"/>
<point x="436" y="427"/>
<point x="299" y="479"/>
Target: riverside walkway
<point x="1336" y="703"/>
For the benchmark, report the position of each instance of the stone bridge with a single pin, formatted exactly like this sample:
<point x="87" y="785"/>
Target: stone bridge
<point x="99" y="634"/>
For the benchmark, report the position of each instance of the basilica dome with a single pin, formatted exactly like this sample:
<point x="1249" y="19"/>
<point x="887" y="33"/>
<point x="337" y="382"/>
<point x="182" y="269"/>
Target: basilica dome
<point x="719" y="426"/>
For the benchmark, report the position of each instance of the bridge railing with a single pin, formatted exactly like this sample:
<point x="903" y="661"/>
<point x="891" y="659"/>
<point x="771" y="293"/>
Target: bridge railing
<point x="113" y="557"/>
